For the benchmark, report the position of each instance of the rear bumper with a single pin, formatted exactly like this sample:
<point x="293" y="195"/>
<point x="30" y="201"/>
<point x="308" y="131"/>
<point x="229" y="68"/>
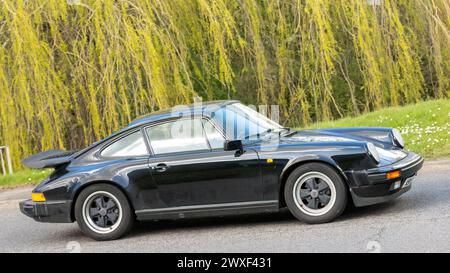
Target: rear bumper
<point x="371" y="186"/>
<point x="49" y="211"/>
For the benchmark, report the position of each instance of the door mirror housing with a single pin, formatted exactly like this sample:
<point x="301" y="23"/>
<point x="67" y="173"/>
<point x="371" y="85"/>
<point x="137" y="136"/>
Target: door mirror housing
<point x="233" y="145"/>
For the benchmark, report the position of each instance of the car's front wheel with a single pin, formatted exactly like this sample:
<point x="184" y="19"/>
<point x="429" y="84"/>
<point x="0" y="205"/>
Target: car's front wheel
<point x="315" y="193"/>
<point x="102" y="212"/>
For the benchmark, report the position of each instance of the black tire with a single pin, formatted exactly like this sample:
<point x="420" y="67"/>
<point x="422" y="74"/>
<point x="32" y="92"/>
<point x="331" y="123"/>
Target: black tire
<point x="122" y="225"/>
<point x="299" y="209"/>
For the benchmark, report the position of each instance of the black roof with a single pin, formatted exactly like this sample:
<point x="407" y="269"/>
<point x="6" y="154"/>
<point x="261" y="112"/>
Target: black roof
<point x="179" y="110"/>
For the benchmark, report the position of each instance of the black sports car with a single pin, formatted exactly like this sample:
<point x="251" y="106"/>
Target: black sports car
<point x="214" y="159"/>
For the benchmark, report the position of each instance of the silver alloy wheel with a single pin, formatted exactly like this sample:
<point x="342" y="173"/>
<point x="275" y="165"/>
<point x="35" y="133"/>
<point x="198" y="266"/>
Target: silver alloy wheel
<point x="102" y="212"/>
<point x="314" y="193"/>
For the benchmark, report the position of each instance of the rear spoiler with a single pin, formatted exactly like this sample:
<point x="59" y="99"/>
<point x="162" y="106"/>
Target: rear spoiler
<point x="48" y="159"/>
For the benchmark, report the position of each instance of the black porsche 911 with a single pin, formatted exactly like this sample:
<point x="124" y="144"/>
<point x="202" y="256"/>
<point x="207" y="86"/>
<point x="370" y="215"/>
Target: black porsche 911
<point x="214" y="159"/>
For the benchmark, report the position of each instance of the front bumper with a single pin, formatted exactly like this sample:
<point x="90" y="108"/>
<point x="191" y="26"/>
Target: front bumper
<point x="371" y="186"/>
<point x="49" y="211"/>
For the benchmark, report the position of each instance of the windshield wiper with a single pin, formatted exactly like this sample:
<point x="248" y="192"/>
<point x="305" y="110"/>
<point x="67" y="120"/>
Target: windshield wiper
<point x="271" y="130"/>
<point x="258" y="135"/>
<point x="287" y="129"/>
<point x="289" y="132"/>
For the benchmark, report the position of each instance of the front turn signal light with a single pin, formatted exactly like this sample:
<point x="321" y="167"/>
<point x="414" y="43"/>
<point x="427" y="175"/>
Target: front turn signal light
<point x="393" y="174"/>
<point x="37" y="197"/>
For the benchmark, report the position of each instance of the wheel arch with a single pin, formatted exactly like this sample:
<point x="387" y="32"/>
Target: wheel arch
<point x="290" y="168"/>
<point x="96" y="182"/>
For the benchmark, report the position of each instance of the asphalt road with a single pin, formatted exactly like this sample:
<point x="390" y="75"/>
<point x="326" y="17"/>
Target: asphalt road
<point x="419" y="221"/>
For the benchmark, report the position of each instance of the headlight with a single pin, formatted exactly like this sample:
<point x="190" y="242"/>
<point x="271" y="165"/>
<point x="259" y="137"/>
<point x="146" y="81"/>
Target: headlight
<point x="398" y="139"/>
<point x="373" y="152"/>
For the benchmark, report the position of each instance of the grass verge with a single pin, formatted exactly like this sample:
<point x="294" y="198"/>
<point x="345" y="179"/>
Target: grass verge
<point x="23" y="177"/>
<point x="425" y="126"/>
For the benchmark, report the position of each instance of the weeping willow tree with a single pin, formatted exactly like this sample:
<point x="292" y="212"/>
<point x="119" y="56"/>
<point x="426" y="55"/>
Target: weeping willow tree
<point x="73" y="71"/>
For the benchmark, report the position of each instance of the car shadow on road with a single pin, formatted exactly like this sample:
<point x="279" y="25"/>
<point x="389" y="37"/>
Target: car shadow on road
<point x="211" y="222"/>
<point x="283" y="217"/>
<point x="354" y="213"/>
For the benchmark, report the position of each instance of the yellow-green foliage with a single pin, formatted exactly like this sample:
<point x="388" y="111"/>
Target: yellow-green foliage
<point x="73" y="71"/>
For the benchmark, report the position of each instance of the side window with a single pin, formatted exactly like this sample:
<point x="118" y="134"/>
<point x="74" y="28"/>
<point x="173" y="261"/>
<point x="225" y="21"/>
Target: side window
<point x="215" y="138"/>
<point x="131" y="145"/>
<point x="177" y="136"/>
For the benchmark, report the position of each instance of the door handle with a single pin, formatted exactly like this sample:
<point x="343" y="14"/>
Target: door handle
<point x="161" y="167"/>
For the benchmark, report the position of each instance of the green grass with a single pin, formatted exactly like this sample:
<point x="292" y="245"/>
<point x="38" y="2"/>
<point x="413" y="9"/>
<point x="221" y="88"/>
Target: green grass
<point x="425" y="126"/>
<point x="23" y="177"/>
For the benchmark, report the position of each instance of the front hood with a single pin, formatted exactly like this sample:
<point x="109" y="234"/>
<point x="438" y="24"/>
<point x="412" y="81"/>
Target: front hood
<point x="318" y="136"/>
<point x="388" y="152"/>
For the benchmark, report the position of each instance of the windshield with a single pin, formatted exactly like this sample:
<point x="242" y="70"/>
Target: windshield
<point x="242" y="122"/>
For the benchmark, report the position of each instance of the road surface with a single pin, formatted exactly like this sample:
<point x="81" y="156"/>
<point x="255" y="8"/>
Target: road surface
<point x="419" y="221"/>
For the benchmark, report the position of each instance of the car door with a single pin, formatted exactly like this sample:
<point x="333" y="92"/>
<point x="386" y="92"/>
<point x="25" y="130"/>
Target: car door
<point x="190" y="167"/>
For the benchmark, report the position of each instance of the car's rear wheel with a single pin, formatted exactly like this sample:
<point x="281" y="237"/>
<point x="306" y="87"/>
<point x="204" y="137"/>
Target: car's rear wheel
<point x="102" y="212"/>
<point x="315" y="193"/>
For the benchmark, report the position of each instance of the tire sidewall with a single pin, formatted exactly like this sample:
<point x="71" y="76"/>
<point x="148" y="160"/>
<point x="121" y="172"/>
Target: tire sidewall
<point x="336" y="179"/>
<point x="127" y="215"/>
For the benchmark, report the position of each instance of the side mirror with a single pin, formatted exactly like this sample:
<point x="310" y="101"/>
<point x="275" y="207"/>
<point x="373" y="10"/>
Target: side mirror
<point x="233" y="145"/>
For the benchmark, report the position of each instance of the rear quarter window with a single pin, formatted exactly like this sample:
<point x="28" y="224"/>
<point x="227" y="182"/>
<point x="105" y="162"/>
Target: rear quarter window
<point x="130" y="145"/>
